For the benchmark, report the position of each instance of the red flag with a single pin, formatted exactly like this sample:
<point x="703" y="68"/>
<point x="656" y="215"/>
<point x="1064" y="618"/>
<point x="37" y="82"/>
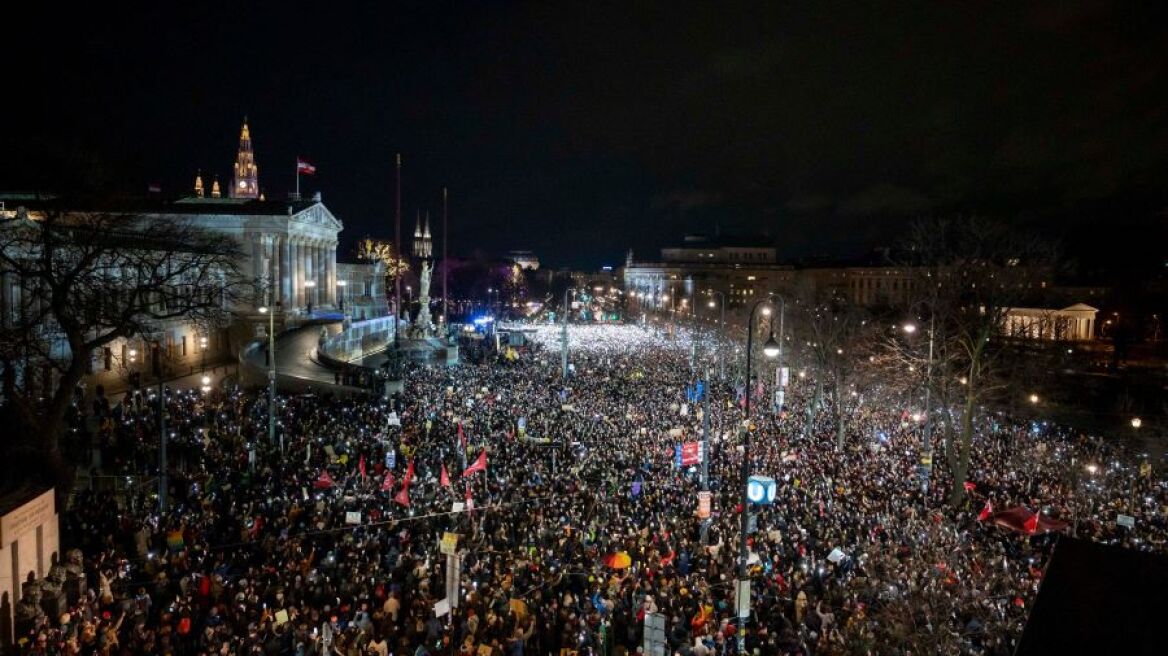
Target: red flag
<point x="409" y="477"/>
<point x="387" y="484"/>
<point x="324" y="481"/>
<point x="444" y="480"/>
<point x="985" y="512"/>
<point x="403" y="497"/>
<point x="480" y="464"/>
<point x="304" y="168"/>
<point x="361" y="465"/>
<point x="969" y="487"/>
<point x="1031" y="524"/>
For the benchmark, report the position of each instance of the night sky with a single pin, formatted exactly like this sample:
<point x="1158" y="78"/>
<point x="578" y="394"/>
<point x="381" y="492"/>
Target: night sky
<point x="578" y="131"/>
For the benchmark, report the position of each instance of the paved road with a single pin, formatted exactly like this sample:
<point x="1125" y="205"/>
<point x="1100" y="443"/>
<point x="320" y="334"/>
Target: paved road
<point x="293" y="353"/>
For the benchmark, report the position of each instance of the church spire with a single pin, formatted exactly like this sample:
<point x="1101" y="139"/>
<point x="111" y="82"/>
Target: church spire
<point x="245" y="183"/>
<point x="199" y="184"/>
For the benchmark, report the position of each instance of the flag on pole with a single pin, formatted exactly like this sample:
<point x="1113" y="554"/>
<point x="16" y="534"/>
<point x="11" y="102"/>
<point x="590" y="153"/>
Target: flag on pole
<point x="324" y="481"/>
<point x="409" y="477"/>
<point x="1031" y="524"/>
<point x="304" y="168"/>
<point x="985" y="512"/>
<point x="444" y="479"/>
<point x="387" y="484"/>
<point x="403" y="497"/>
<point x="480" y="464"/>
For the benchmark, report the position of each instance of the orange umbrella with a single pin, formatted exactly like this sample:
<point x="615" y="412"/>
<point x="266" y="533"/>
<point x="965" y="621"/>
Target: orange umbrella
<point x="618" y="560"/>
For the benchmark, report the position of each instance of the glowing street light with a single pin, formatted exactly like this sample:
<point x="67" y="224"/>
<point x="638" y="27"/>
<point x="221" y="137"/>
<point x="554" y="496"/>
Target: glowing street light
<point x="909" y="328"/>
<point x="1034" y="398"/>
<point x="1136" y="422"/>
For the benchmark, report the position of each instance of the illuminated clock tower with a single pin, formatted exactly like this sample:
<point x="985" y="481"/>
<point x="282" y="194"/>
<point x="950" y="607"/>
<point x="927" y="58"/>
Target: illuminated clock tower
<point x="245" y="183"/>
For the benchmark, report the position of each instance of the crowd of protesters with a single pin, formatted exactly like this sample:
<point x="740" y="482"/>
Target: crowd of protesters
<point x="332" y="544"/>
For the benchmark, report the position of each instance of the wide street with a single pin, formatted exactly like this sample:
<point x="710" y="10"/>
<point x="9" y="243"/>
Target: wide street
<point x="574" y="520"/>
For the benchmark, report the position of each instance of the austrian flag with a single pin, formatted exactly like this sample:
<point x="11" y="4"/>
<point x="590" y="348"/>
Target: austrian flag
<point x="304" y="168"/>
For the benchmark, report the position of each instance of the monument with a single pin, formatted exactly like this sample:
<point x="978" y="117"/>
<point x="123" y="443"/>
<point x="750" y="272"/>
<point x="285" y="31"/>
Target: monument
<point x="424" y="323"/>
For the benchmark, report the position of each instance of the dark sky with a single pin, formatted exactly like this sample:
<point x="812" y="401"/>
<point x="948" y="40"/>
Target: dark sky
<point x="578" y="130"/>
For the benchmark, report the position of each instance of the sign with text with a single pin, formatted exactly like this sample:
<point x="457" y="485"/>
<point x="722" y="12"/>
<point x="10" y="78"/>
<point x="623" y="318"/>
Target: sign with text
<point x="703" y="504"/>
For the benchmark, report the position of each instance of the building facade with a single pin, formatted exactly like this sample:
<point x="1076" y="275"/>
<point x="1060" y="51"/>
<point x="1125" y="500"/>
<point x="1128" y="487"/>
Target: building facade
<point x="287" y="258"/>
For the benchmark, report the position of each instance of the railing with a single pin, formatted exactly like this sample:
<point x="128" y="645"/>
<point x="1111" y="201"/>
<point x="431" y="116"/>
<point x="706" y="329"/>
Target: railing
<point x="358" y="340"/>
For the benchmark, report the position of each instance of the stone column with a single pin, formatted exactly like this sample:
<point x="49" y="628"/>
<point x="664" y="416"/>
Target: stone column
<point x="331" y="258"/>
<point x="284" y="277"/>
<point x="297" y="272"/>
<point x="257" y="257"/>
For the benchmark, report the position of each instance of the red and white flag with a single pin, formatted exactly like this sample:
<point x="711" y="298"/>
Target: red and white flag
<point x="403" y="497"/>
<point x="985" y="512"/>
<point x="469" y="498"/>
<point x="480" y="464"/>
<point x="444" y="479"/>
<point x="1031" y="524"/>
<point x="387" y="484"/>
<point x="304" y="168"/>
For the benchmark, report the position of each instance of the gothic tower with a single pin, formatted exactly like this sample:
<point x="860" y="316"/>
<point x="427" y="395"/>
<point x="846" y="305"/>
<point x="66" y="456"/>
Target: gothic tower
<point x="245" y="183"/>
<point x="423" y="242"/>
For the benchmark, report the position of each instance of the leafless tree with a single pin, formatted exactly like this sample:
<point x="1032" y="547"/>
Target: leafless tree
<point x="969" y="272"/>
<point x="88" y="279"/>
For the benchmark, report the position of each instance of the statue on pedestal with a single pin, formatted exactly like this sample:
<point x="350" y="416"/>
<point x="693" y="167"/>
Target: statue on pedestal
<point x="424" y="323"/>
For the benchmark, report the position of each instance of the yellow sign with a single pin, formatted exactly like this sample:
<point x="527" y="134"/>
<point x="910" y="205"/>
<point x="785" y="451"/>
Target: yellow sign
<point x="449" y="544"/>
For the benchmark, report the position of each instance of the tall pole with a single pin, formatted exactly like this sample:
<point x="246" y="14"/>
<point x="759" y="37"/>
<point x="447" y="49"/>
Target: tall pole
<point x="782" y="312"/>
<point x="564" y="339"/>
<point x="445" y="266"/>
<point x="272" y="373"/>
<point x="744" y="581"/>
<point x="396" y="264"/>
<point x="927" y="433"/>
<point x="162" y="483"/>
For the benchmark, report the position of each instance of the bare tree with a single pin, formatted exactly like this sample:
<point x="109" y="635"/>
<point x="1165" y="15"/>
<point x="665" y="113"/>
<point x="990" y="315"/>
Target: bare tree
<point x="837" y="336"/>
<point x="969" y="272"/>
<point x="88" y="279"/>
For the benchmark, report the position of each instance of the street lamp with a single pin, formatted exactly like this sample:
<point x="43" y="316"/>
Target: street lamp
<point x="271" y="312"/>
<point x="1136" y="422"/>
<point x="311" y="286"/>
<point x="771" y="349"/>
<point x="926" y="459"/>
<point x="722" y="335"/>
<point x="1034" y="398"/>
<point x="341" y="293"/>
<point x="564" y="338"/>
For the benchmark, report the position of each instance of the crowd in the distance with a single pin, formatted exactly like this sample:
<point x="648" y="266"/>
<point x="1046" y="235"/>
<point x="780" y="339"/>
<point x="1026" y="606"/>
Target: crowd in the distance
<point x="332" y="546"/>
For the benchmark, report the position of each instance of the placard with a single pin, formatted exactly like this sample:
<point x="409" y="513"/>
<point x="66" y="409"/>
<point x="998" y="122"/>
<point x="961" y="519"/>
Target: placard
<point x="1125" y="520"/>
<point x="448" y="544"/>
<point x="352" y="517"/>
<point x="703" y="504"/>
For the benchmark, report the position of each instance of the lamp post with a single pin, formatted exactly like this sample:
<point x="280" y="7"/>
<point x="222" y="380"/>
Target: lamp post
<point x="771" y="349"/>
<point x="342" y="284"/>
<point x="926" y="458"/>
<point x="564" y="338"/>
<point x="311" y="286"/>
<point x="271" y="312"/>
<point x="721" y="334"/>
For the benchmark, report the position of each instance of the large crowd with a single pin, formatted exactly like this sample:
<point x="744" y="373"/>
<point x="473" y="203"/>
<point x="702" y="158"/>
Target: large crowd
<point x="334" y="545"/>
